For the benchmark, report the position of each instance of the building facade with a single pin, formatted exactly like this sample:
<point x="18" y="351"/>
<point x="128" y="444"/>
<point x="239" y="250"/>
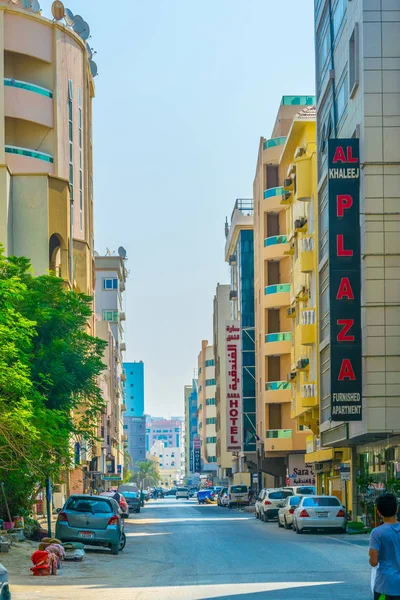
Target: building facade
<point x="111" y="277"/>
<point x="221" y="314"/>
<point x="191" y="425"/>
<point x="239" y="254"/>
<point x="134" y="417"/>
<point x="46" y="172"/>
<point x="207" y="413"/>
<point x="276" y="429"/>
<point x="357" y="83"/>
<point x="165" y="439"/>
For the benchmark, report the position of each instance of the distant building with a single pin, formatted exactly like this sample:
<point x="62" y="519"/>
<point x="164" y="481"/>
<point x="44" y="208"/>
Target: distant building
<point x="165" y="440"/>
<point x="135" y="429"/>
<point x="191" y="425"/>
<point x="134" y="388"/>
<point x="207" y="414"/>
<point x="169" y="431"/>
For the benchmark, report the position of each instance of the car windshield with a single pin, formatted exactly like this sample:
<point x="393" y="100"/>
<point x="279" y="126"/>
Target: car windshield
<point x="321" y="501"/>
<point x="238" y="489"/>
<point x="281" y="495"/>
<point x="182" y="490"/>
<point x="93" y="505"/>
<point x="130" y="494"/>
<point x="294" y="500"/>
<point x="306" y="491"/>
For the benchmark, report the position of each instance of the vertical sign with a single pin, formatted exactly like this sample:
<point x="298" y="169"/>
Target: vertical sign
<point x="234" y="417"/>
<point x="196" y="454"/>
<point x="345" y="279"/>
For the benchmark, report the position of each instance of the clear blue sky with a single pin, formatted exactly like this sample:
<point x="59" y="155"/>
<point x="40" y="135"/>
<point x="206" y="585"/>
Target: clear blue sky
<point x="185" y="90"/>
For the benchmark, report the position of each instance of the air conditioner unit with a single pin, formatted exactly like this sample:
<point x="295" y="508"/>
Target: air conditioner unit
<point x="122" y="316"/>
<point x="291" y="311"/>
<point x="286" y="196"/>
<point x="318" y="467"/>
<point x="233" y="295"/>
<point x="123" y="347"/>
<point x="232" y="259"/>
<point x="299" y="223"/>
<point x="299" y="152"/>
<point x="291" y="376"/>
<point x="291" y="170"/>
<point x="288" y="182"/>
<point x="303" y="363"/>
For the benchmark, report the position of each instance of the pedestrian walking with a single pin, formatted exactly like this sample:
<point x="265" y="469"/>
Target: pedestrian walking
<point x="384" y="550"/>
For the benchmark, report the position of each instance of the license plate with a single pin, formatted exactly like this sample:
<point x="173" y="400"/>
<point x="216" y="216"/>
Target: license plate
<point x="86" y="534"/>
<point x="322" y="515"/>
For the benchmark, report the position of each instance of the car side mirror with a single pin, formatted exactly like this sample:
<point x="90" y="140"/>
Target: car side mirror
<point x="58" y="510"/>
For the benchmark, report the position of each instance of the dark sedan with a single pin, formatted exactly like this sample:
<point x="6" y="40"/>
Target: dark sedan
<point x="133" y="500"/>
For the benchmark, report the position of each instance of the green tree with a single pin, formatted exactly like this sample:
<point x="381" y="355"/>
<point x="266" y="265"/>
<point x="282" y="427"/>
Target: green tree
<point x="146" y="474"/>
<point x="49" y="367"/>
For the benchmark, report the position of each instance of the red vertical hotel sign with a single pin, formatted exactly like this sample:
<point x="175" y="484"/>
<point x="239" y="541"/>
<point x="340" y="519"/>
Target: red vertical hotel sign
<point x="234" y="415"/>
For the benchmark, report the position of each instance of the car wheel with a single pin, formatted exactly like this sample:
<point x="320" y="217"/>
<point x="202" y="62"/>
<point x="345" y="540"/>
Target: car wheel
<point x="266" y="518"/>
<point x="299" y="531"/>
<point x="286" y="525"/>
<point x="114" y="549"/>
<point x="123" y="542"/>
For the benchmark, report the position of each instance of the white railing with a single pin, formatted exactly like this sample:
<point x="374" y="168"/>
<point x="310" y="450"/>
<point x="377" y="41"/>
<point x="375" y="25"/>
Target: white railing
<point x="308" y="317"/>
<point x="309" y="390"/>
<point x="307" y="244"/>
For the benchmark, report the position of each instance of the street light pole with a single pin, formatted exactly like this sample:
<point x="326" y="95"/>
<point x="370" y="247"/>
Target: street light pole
<point x="48" y="505"/>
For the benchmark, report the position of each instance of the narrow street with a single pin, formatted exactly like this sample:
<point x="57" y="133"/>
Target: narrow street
<point x="180" y="550"/>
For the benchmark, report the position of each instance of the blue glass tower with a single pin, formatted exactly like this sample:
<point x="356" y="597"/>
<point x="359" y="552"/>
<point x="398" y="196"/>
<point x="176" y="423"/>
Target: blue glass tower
<point x="134" y="388"/>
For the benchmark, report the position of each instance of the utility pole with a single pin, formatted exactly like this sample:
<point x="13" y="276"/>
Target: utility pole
<point x="48" y="504"/>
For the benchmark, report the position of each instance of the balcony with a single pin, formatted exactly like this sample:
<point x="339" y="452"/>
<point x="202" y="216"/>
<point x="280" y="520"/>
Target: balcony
<point x="276" y="247"/>
<point x="28" y="160"/>
<point x="309" y="395"/>
<point x="307" y="254"/>
<point x="272" y="199"/>
<point x="278" y="392"/>
<point x="277" y="295"/>
<point x="272" y="149"/>
<point x="277" y="344"/>
<point x="278" y="440"/>
<point x="124" y="437"/>
<point x="27" y="101"/>
<point x="308" y="327"/>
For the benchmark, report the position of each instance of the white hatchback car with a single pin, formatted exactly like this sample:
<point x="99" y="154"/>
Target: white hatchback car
<point x="319" y="512"/>
<point x="269" y="502"/>
<point x="302" y="490"/>
<point x="182" y="492"/>
<point x="285" y="513"/>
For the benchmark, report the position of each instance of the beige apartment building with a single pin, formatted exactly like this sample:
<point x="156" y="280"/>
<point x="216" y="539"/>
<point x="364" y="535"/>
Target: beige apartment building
<point x="221" y="314"/>
<point x="207" y="413"/>
<point x="277" y="430"/>
<point x="46" y="172"/>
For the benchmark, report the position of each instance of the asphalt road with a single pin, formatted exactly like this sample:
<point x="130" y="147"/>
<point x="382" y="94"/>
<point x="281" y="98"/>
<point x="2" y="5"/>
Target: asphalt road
<point x="179" y="550"/>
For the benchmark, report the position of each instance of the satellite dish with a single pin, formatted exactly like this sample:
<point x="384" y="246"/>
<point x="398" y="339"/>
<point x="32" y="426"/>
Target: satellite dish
<point x="58" y="10"/>
<point x="93" y="68"/>
<point x="26" y="4"/>
<point x="69" y="17"/>
<point x="86" y="31"/>
<point x="35" y="6"/>
<point x="79" y="24"/>
<point x="96" y="253"/>
<point x="122" y="252"/>
<point x="89" y="51"/>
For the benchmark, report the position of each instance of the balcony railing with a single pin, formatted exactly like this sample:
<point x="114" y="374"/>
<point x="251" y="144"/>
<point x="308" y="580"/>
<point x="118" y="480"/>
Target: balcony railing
<point x="278" y="433"/>
<point x="274" y="386"/>
<point x="307" y="244"/>
<point x="309" y="390"/>
<point x="275" y="239"/>
<point x="277" y="191"/>
<point x="278" y="337"/>
<point x="278" y="288"/>
<point x="30" y="87"/>
<point x="308" y="317"/>
<point x="30" y="153"/>
<point x="278" y="141"/>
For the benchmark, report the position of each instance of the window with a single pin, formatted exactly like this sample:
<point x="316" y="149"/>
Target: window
<point x="211" y="421"/>
<point x="321" y="501"/>
<point x="338" y="17"/>
<point x="210" y="363"/>
<point x="210" y="382"/>
<point x="212" y="459"/>
<point x="342" y="94"/>
<point x="324" y="302"/>
<point x="323" y="223"/>
<point x="210" y="401"/>
<point x="211" y="440"/>
<point x="80" y="158"/>
<point x="323" y="50"/>
<point x="354" y="62"/>
<point x="71" y="136"/>
<point x="110" y="283"/>
<point x="110" y="315"/>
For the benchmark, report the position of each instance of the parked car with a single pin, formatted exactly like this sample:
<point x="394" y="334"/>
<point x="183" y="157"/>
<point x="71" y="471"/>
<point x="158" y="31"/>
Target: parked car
<point x="221" y="492"/>
<point x="93" y="520"/>
<point x="319" y="512"/>
<point x="5" y="593"/>
<point x="285" y="513"/>
<point x="224" y="498"/>
<point x="133" y="500"/>
<point x="269" y="501"/>
<point x="238" y="494"/>
<point x="120" y="499"/>
<point x="182" y="492"/>
<point x="302" y="490"/>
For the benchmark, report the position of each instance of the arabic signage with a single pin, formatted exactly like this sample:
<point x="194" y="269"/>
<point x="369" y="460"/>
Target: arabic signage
<point x="111" y="477"/>
<point x="300" y="472"/>
<point x="345" y="279"/>
<point x="234" y="410"/>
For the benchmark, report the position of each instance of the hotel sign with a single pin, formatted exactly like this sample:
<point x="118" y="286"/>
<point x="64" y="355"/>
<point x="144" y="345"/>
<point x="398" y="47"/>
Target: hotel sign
<point x="345" y="279"/>
<point x="234" y="417"/>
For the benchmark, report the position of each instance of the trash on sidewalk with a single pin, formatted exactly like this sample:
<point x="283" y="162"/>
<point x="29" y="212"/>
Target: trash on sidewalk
<point x="45" y="563"/>
<point x="74" y="551"/>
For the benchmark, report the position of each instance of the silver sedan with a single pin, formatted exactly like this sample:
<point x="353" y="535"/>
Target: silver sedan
<point x="319" y="513"/>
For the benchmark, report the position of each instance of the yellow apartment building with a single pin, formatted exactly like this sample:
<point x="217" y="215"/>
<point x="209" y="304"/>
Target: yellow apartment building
<point x="207" y="410"/>
<point x="279" y="435"/>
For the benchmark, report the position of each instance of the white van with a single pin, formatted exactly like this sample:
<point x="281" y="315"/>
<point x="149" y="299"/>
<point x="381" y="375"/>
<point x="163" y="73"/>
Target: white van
<point x="238" y="494"/>
<point x="182" y="492"/>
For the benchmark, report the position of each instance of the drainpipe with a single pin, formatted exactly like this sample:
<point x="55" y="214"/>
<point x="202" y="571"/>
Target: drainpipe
<point x="71" y="230"/>
<point x="332" y="73"/>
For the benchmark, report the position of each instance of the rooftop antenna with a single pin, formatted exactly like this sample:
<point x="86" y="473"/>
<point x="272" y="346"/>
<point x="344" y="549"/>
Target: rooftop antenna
<point x="69" y="17"/>
<point x="226" y="227"/>
<point x="35" y="6"/>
